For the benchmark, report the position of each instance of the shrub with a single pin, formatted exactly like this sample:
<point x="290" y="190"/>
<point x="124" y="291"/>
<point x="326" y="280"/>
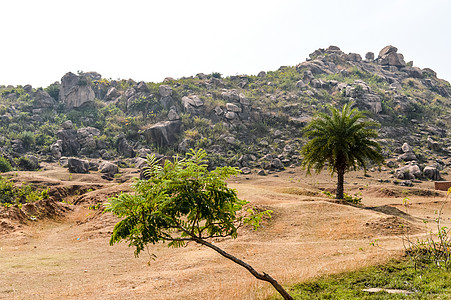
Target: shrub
<point x="53" y="90"/>
<point x="26" y="164"/>
<point x="7" y="191"/>
<point x="27" y="139"/>
<point x="5" y="166"/>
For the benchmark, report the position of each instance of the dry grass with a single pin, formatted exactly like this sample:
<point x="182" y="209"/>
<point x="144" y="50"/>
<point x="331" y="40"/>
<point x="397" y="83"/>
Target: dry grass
<point x="307" y="237"/>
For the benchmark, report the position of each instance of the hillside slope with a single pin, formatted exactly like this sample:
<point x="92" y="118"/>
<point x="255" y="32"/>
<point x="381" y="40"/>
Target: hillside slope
<point x="244" y="121"/>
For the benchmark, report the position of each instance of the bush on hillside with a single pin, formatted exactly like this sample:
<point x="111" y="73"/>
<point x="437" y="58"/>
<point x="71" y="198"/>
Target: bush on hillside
<point x="5" y="166"/>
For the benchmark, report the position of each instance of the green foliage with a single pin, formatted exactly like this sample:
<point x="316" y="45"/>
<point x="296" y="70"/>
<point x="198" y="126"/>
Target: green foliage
<point x="53" y="90"/>
<point x="427" y="283"/>
<point x="26" y="164"/>
<point x="16" y="195"/>
<point x="181" y="201"/>
<point x="356" y="199"/>
<point x="27" y="139"/>
<point x="7" y="191"/>
<point x="216" y="75"/>
<point x="435" y="249"/>
<point x="343" y="141"/>
<point x="5" y="165"/>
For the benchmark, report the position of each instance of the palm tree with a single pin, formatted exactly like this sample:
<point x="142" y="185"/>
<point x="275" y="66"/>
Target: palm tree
<point x="343" y="141"/>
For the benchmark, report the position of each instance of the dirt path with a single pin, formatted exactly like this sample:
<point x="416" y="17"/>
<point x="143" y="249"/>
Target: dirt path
<point x="307" y="236"/>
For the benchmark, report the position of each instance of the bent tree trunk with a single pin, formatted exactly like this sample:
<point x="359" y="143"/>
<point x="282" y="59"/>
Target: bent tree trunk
<point x="340" y="189"/>
<point x="264" y="276"/>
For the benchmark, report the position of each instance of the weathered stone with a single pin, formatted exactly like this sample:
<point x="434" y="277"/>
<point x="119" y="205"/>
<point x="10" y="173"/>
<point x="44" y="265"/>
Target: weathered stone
<point x="369" y="56"/>
<point x="230" y="115"/>
<point x="261" y="74"/>
<point x="165" y="90"/>
<point x="140" y="163"/>
<point x="408" y="156"/>
<point x="406" y="148"/>
<point x="231" y="95"/>
<point x="75" y="91"/>
<point x="277" y="164"/>
<point x="172" y="114"/>
<point x="43" y="100"/>
<point x="163" y="133"/>
<point x="86" y="139"/>
<point x="123" y="147"/>
<point x="261" y="173"/>
<point x="143" y="152"/>
<point x="392" y="164"/>
<point x="167" y="101"/>
<point x="64" y="162"/>
<point x="315" y="67"/>
<point x="129" y="92"/>
<point x="93" y="166"/>
<point x="354" y="57"/>
<point x="142" y="87"/>
<point x="406" y="183"/>
<point x="233" y="107"/>
<point x="78" y="165"/>
<point x="191" y="103"/>
<point x="201" y="76"/>
<point x="92" y="75"/>
<point x="67" y="125"/>
<point x="56" y="149"/>
<point x="108" y="168"/>
<point x="433" y="145"/>
<point x="333" y="48"/>
<point x="431" y="173"/>
<point x="193" y="100"/>
<point x="387" y="50"/>
<point x="393" y="59"/>
<point x="218" y="110"/>
<point x="112" y="93"/>
<point x="246" y="170"/>
<point x="414" y="72"/>
<point x="244" y="100"/>
<point x="28" y="88"/>
<point x="69" y="141"/>
<point x="300" y="84"/>
<point x="408" y="172"/>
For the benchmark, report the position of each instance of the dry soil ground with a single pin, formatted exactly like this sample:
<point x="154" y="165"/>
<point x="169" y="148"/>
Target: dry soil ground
<point x="65" y="254"/>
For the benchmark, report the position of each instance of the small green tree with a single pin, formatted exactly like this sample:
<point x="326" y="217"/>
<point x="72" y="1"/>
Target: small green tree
<point x="343" y="141"/>
<point x="28" y="139"/>
<point x="5" y="165"/>
<point x="180" y="202"/>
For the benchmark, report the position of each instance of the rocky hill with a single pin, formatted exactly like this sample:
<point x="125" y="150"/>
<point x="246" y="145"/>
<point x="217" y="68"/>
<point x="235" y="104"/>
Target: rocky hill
<point x="246" y="121"/>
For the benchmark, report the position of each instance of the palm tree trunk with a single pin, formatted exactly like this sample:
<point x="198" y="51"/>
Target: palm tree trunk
<point x="340" y="184"/>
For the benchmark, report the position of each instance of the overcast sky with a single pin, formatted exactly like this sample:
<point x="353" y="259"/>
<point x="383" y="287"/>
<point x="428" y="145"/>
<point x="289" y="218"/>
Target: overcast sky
<point x="149" y="40"/>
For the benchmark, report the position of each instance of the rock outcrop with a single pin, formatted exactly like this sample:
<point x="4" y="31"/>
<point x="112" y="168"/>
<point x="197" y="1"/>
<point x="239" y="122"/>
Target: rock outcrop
<point x="123" y="147"/>
<point x="69" y="141"/>
<point x="431" y="173"/>
<point x="163" y="133"/>
<point x="78" y="165"/>
<point x="389" y="56"/>
<point x="75" y="91"/>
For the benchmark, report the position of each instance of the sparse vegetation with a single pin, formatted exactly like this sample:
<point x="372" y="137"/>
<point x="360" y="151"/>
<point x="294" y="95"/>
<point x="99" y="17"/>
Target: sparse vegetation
<point x="5" y="165"/>
<point x="425" y="283"/>
<point x="10" y="194"/>
<point x="183" y="202"/>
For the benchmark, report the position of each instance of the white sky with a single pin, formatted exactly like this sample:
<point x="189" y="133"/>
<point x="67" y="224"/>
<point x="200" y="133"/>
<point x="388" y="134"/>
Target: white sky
<point x="149" y="40"/>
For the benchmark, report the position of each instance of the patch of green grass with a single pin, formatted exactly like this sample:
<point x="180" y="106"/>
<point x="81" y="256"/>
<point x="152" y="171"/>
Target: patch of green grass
<point x="429" y="282"/>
